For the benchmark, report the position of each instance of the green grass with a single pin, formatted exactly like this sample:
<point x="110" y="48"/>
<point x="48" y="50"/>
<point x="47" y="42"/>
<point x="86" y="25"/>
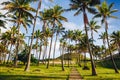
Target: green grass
<point x="54" y="73"/>
<point x="102" y="74"/>
<point x="35" y="73"/>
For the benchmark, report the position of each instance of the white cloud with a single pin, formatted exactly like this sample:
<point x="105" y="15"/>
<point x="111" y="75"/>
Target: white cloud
<point x="71" y="26"/>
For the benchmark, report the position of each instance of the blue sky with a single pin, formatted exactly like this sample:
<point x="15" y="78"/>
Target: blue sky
<point x="76" y="22"/>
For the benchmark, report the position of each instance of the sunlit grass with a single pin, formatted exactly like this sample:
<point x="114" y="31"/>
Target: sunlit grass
<point x="54" y="73"/>
<point x="35" y="73"/>
<point x="102" y="74"/>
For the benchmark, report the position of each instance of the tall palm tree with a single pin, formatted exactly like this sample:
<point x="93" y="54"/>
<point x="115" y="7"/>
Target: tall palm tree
<point x="77" y="36"/>
<point x="69" y="35"/>
<point x="115" y="38"/>
<point x="37" y="35"/>
<point x="105" y="11"/>
<point x="13" y="33"/>
<point x="58" y="30"/>
<point x="34" y="24"/>
<point x="103" y="37"/>
<point x="93" y="28"/>
<point x="82" y="6"/>
<point x="62" y="51"/>
<point x="21" y="9"/>
<point x="55" y="19"/>
<point x="47" y="34"/>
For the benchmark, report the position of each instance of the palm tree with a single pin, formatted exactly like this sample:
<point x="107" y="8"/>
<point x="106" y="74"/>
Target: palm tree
<point x="47" y="33"/>
<point x="82" y="6"/>
<point x="77" y="36"/>
<point x="115" y="38"/>
<point x="55" y="19"/>
<point x="29" y="54"/>
<point x="21" y="9"/>
<point x="58" y="30"/>
<point x="105" y="11"/>
<point x="103" y="37"/>
<point x="93" y="27"/>
<point x="5" y="41"/>
<point x="69" y="36"/>
<point x="13" y="33"/>
<point x="37" y="35"/>
<point x="62" y="51"/>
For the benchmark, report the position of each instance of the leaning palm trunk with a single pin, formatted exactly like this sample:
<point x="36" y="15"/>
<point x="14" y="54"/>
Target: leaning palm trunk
<point x="88" y="44"/>
<point x="49" y="52"/>
<point x="29" y="54"/>
<point x="37" y="48"/>
<point x="55" y="48"/>
<point x="114" y="65"/>
<point x="50" y="45"/>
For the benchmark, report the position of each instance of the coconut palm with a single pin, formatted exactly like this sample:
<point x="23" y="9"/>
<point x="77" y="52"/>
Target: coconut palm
<point x="103" y="37"/>
<point x="93" y="28"/>
<point x="34" y="24"/>
<point x="62" y="51"/>
<point x="55" y="19"/>
<point x="77" y="36"/>
<point x="115" y="38"/>
<point x="37" y="35"/>
<point x="105" y="11"/>
<point x="47" y="34"/>
<point x="82" y="6"/>
<point x="69" y="36"/>
<point x="21" y="9"/>
<point x="58" y="30"/>
<point x="13" y="33"/>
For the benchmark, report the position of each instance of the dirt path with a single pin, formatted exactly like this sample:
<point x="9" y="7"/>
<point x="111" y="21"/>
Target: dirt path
<point x="75" y="75"/>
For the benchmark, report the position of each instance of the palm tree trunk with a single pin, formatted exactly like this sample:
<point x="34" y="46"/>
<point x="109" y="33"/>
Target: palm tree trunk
<point x="88" y="44"/>
<point x="92" y="48"/>
<point x="37" y="48"/>
<point x="39" y="54"/>
<point x="17" y="47"/>
<point x="50" y="45"/>
<point x="49" y="52"/>
<point x="85" y="62"/>
<point x="105" y="48"/>
<point x="44" y="53"/>
<point x="114" y="65"/>
<point x="62" y="59"/>
<point x="29" y="54"/>
<point x="9" y="54"/>
<point x="55" y="48"/>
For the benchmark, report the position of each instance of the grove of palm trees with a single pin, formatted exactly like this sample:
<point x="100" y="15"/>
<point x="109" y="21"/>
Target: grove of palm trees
<point x="38" y="40"/>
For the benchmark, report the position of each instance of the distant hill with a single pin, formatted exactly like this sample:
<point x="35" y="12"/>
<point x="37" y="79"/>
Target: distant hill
<point x="71" y="56"/>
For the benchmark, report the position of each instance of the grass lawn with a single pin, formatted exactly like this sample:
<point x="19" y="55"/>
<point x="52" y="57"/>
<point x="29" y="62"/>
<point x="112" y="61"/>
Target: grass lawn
<point x="35" y="73"/>
<point x="102" y="74"/>
<point x="54" y="73"/>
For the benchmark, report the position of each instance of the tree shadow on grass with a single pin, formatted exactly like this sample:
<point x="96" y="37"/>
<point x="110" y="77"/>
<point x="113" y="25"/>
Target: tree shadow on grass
<point x="27" y="77"/>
